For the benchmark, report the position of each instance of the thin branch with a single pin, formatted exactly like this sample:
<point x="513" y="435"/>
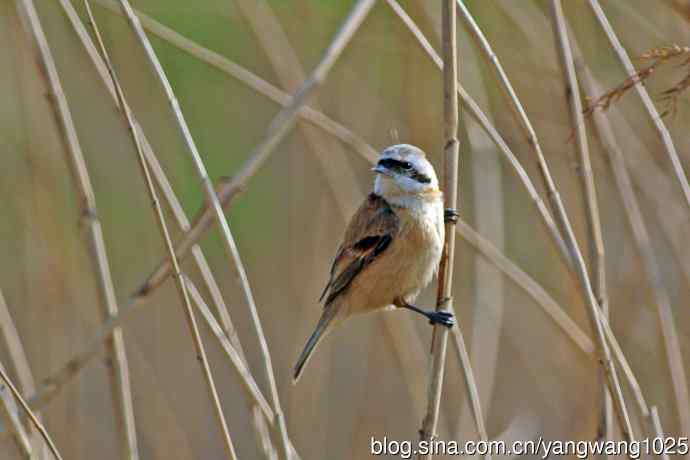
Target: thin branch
<point x="450" y="191"/>
<point x="578" y="267"/>
<point x="643" y="243"/>
<point x="165" y="234"/>
<point x="119" y="371"/>
<point x="8" y="382"/>
<point x="596" y="239"/>
<point x="659" y="125"/>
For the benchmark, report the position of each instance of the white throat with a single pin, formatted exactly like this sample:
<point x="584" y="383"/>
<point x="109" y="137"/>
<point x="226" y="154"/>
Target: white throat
<point x="396" y="195"/>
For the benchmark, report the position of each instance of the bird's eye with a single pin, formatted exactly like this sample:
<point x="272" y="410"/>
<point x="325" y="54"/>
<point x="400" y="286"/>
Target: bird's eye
<point x="406" y="164"/>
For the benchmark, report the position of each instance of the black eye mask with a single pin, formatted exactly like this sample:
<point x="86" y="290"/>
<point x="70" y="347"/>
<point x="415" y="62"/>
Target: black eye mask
<point x="404" y="168"/>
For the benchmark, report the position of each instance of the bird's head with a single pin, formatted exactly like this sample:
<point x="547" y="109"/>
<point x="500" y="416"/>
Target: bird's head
<point x="404" y="170"/>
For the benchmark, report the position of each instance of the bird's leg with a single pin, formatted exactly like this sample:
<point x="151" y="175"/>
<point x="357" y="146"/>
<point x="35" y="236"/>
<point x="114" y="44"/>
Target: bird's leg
<point x="443" y="318"/>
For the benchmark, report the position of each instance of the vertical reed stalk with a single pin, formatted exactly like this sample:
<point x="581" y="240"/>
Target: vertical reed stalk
<point x="450" y="191"/>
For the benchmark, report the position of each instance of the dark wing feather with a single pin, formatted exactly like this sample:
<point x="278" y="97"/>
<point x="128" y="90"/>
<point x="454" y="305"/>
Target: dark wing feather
<point x="371" y="231"/>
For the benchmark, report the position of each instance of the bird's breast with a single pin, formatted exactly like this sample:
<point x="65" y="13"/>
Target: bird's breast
<point x="419" y="246"/>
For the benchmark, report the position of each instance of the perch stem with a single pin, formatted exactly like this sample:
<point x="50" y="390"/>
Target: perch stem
<point x="450" y="189"/>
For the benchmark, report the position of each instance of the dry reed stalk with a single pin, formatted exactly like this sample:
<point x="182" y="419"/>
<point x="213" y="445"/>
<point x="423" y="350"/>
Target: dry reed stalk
<point x="643" y="243"/>
<point x="578" y="266"/>
<point x="651" y="110"/>
<point x="19" y="361"/>
<point x="219" y="216"/>
<point x="32" y="417"/>
<point x="118" y="373"/>
<point x="450" y="191"/>
<point x="488" y="196"/>
<point x="617" y="351"/>
<point x="165" y="234"/>
<point x="596" y="239"/>
<point x="8" y="413"/>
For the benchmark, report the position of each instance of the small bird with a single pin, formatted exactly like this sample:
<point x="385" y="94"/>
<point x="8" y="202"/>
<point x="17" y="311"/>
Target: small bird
<point x="391" y="248"/>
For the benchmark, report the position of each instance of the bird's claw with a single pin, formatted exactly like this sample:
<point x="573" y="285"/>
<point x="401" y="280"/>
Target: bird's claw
<point x="451" y="215"/>
<point x="443" y="318"/>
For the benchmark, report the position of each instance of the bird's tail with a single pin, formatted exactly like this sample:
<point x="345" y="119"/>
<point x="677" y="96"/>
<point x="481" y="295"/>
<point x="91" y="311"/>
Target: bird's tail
<point x="322" y="328"/>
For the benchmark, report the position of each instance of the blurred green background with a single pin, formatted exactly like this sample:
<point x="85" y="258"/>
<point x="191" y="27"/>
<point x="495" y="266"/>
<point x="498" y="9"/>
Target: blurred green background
<point x="368" y="378"/>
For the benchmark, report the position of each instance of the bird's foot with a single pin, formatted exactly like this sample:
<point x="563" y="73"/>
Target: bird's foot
<point x="451" y="215"/>
<point x="443" y="318"/>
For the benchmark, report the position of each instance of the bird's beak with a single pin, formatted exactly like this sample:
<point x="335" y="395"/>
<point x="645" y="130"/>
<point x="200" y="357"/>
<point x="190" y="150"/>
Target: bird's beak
<point x="379" y="169"/>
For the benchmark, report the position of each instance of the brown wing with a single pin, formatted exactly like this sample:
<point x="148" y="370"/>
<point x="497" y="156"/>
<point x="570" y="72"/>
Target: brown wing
<point x="371" y="230"/>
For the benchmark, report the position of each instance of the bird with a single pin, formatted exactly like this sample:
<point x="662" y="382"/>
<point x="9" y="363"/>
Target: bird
<point x="391" y="247"/>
